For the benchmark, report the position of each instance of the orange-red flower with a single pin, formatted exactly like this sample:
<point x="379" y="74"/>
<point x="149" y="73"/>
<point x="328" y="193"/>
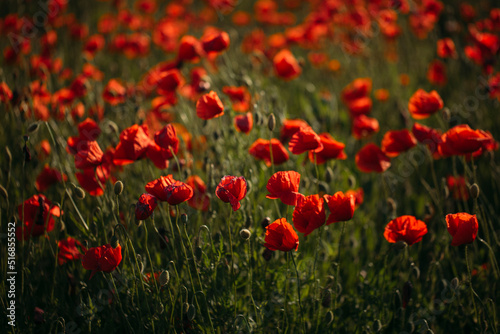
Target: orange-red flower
<point x="232" y="189"/>
<point x="461" y="140"/>
<point x="423" y="104"/>
<point x="341" y="207"/>
<point x="133" y="145"/>
<point x="285" y="186"/>
<point x="285" y="65"/>
<point x="200" y="199"/>
<point x="436" y="74"/>
<point x="209" y="106"/>
<point x="261" y="149"/>
<point x="428" y="136"/>
<point x="358" y="88"/>
<point x="168" y="81"/>
<point x="332" y="149"/>
<point x="446" y="48"/>
<point x="169" y="190"/>
<point x="290" y="126"/>
<point x="88" y="154"/>
<point x="305" y="140"/>
<point x="280" y="235"/>
<point x="94" y="180"/>
<point x="462" y="227"/>
<point x="405" y="228"/>
<point x="47" y="177"/>
<point x="37" y="216"/>
<point x="244" y="123"/>
<point x="364" y="126"/>
<point x="145" y="206"/>
<point x="239" y="96"/>
<point x="309" y="214"/>
<point x="214" y="40"/>
<point x="70" y="249"/>
<point x="114" y="93"/>
<point x="190" y="49"/>
<point x="360" y="106"/>
<point x="165" y="145"/>
<point x="397" y="141"/>
<point x="370" y="158"/>
<point x="103" y="258"/>
<point x="5" y="93"/>
<point x="458" y="187"/>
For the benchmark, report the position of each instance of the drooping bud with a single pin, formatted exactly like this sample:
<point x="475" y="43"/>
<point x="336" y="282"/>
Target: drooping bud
<point x="118" y="187"/>
<point x="80" y="193"/>
<point x="265" y="222"/>
<point x="114" y="241"/>
<point x="164" y="278"/>
<point x="474" y="191"/>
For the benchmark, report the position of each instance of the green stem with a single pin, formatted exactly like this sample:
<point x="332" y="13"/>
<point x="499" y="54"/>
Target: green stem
<point x="298" y="293"/>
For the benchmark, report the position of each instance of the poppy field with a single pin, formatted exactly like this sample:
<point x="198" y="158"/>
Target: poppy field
<point x="268" y="166"/>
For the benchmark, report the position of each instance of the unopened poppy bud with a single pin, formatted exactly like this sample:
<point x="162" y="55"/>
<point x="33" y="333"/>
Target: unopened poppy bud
<point x="33" y="127"/>
<point x="377" y="326"/>
<point x="114" y="241"/>
<point x="80" y="193"/>
<point x="328" y="175"/>
<point x="257" y="117"/>
<point x="113" y="127"/>
<point x="407" y="288"/>
<point x="326" y="299"/>
<point x="455" y="283"/>
<point x="164" y="278"/>
<point x="271" y="122"/>
<point x="245" y="234"/>
<point x="352" y="181"/>
<point x="265" y="222"/>
<point x="446" y="114"/>
<point x="474" y="191"/>
<point x="328" y="317"/>
<point x="184" y="218"/>
<point x="191" y="313"/>
<point x="118" y="188"/>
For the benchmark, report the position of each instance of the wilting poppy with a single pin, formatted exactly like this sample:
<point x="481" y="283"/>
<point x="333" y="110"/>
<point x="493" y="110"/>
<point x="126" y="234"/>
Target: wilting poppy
<point x="37" y="215"/>
<point x="70" y="249"/>
<point x="145" y="206"/>
<point x="169" y="190"/>
<point x="370" y="158"/>
<point x="133" y="145"/>
<point x="232" y="189"/>
<point x="209" y="106"/>
<point x="332" y="149"/>
<point x="309" y="214"/>
<point x="305" y="140"/>
<point x="47" y="177"/>
<point x="341" y="207"/>
<point x="103" y="258"/>
<point x="280" y="235"/>
<point x="461" y="140"/>
<point x="285" y="186"/>
<point x="364" y="126"/>
<point x="244" y="123"/>
<point x="462" y="227"/>
<point x="405" y="228"/>
<point x="423" y="104"/>
<point x="286" y="66"/>
<point x="397" y="141"/>
<point x="260" y="149"/>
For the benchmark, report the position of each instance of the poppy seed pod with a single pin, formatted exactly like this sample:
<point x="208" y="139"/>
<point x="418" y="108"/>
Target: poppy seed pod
<point x="474" y="191"/>
<point x="118" y="188"/>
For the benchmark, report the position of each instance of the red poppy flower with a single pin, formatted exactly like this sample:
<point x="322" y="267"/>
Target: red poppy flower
<point x="244" y="123"/>
<point x="88" y="181"/>
<point x="364" y="126"/>
<point x="70" y="249"/>
<point x="280" y="235"/>
<point x="93" y="45"/>
<point x="232" y="189"/>
<point x="145" y="206"/>
<point x="167" y="189"/>
<point x="397" y="141"/>
<point x="462" y="227"/>
<point x="168" y="81"/>
<point x="165" y="142"/>
<point x="341" y="207"/>
<point x="38" y="217"/>
<point x="358" y="194"/>
<point x="214" y="40"/>
<point x="200" y="200"/>
<point x="332" y="149"/>
<point x="114" y="93"/>
<point x="458" y="187"/>
<point x="309" y="214"/>
<point x="285" y="186"/>
<point x="405" y="228"/>
<point x="88" y="129"/>
<point x="428" y="136"/>
<point x="260" y="150"/>
<point x="239" y="96"/>
<point x="133" y="145"/>
<point x="88" y="154"/>
<point x="290" y="127"/>
<point x="305" y="140"/>
<point x="371" y="158"/>
<point x="209" y="106"/>
<point x="285" y="65"/>
<point x="436" y="74"/>
<point x="423" y="104"/>
<point x="461" y="140"/>
<point x="358" y="88"/>
<point x="103" y="258"/>
<point x="360" y="106"/>
<point x="5" y="93"/>
<point x="190" y="49"/>
<point x="381" y="94"/>
<point x="47" y="177"/>
<point x="446" y="48"/>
